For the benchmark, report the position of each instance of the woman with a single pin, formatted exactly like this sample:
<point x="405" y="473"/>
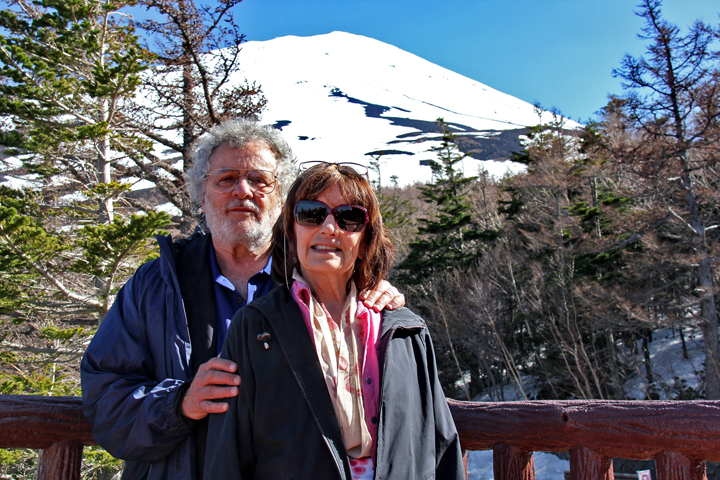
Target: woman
<point x="330" y="389"/>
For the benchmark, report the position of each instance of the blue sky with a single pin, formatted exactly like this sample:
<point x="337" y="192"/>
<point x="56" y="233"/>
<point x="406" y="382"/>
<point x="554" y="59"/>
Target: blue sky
<point x="558" y="53"/>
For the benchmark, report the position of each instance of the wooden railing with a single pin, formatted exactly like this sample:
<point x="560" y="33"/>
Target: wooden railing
<point x="680" y="436"/>
<point x="55" y="425"/>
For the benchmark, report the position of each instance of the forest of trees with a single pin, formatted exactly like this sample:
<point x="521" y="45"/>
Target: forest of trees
<point x="552" y="280"/>
<point x="561" y="274"/>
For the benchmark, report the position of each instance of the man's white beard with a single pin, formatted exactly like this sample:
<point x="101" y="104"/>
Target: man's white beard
<point x="251" y="233"/>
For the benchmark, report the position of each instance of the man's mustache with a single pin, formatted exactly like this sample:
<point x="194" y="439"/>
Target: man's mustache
<point x="244" y="204"/>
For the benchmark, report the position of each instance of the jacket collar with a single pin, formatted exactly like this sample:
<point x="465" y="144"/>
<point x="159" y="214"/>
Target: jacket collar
<point x="188" y="262"/>
<point x="401" y="318"/>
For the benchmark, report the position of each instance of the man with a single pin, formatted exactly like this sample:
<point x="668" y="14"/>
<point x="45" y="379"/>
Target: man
<point x="150" y="376"/>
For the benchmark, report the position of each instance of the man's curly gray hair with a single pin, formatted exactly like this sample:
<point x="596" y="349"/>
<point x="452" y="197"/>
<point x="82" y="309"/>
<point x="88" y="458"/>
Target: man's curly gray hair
<point x="237" y="133"/>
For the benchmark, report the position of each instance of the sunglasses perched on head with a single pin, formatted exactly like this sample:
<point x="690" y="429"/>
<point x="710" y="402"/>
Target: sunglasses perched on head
<point x="350" y="218"/>
<point x="343" y="167"/>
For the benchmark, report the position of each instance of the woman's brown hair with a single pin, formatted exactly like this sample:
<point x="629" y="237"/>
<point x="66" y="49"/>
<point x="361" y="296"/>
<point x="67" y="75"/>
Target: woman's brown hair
<point x="372" y="264"/>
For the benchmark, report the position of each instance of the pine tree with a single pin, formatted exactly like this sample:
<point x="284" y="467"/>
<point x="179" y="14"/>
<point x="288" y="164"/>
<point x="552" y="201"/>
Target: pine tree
<point x="447" y="242"/>
<point x="67" y="70"/>
<point x="66" y="241"/>
<point x="537" y="265"/>
<point x="376" y="165"/>
<point x="397" y="213"/>
<point x="447" y="238"/>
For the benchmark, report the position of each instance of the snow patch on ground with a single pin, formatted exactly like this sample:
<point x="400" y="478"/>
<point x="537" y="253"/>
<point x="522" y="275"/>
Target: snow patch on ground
<point x="171" y="209"/>
<point x="547" y="466"/>
<point x="668" y="363"/>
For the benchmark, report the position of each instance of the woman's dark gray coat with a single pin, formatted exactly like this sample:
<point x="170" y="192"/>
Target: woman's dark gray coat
<point x="282" y="425"/>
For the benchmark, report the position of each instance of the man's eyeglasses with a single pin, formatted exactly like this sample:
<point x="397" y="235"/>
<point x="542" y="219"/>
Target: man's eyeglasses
<point x="355" y="167"/>
<point x="224" y="180"/>
<point x="350" y="218"/>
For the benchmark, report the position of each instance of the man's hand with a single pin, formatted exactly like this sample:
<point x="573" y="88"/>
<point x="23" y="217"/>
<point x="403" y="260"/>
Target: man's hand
<point x="208" y="385"/>
<point x="384" y="296"/>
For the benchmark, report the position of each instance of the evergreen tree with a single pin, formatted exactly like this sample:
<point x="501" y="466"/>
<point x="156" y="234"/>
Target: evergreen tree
<point x="395" y="208"/>
<point x="376" y="165"/>
<point x="397" y="213"/>
<point x="561" y="314"/>
<point x="67" y="241"/>
<point x="67" y="69"/>
<point x="447" y="238"/>
<point x="537" y="266"/>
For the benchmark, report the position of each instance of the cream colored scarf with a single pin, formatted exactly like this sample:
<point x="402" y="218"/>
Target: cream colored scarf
<point x="340" y="348"/>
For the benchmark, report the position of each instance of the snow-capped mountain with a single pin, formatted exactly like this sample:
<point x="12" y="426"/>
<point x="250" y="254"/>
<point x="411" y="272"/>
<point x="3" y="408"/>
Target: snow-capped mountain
<point x="341" y="97"/>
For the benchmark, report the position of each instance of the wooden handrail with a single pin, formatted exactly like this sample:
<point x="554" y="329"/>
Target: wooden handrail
<point x="56" y="425"/>
<point x="680" y="436"/>
<point x="34" y="421"/>
<point x="627" y="429"/>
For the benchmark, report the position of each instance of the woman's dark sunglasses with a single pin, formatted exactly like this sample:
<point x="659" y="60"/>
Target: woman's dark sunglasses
<point x="350" y="218"/>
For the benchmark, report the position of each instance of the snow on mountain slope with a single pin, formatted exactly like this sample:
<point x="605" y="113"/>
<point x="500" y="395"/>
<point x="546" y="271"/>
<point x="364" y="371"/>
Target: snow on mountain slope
<point x="339" y="97"/>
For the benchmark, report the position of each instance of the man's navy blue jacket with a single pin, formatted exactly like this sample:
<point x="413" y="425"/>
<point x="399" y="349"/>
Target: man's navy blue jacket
<point x="136" y="368"/>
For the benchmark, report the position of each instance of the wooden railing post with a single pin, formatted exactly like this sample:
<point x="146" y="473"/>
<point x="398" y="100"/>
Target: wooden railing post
<point x="61" y="461"/>
<point x="676" y="466"/>
<point x="465" y="457"/>
<point x="512" y="463"/>
<point x="588" y="465"/>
